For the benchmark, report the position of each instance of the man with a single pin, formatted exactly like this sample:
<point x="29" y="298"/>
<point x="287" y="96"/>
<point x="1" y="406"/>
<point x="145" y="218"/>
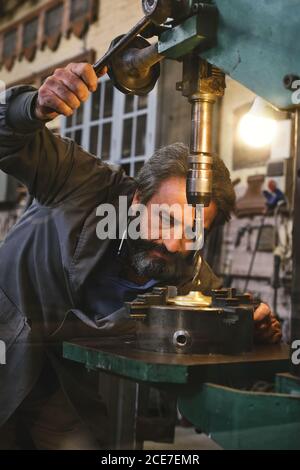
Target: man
<point x="59" y="280"/>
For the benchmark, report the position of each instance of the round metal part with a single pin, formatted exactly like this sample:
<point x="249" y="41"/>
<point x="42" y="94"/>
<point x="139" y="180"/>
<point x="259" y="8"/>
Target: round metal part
<point x="194" y="330"/>
<point x="181" y="330"/>
<point x="135" y="70"/>
<point x="181" y="339"/>
<point x="167" y="323"/>
<point x="157" y="10"/>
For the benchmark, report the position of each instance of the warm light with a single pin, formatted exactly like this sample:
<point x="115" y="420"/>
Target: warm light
<point x="257" y="128"/>
<point x="257" y="131"/>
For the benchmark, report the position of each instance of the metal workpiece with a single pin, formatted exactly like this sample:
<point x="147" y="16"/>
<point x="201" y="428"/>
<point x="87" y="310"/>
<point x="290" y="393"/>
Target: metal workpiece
<point x="193" y="324"/>
<point x="136" y="69"/>
<point x="192" y="299"/>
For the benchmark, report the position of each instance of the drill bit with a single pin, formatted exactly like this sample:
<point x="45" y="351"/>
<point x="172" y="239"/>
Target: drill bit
<point x="197" y="266"/>
<point x="199" y="238"/>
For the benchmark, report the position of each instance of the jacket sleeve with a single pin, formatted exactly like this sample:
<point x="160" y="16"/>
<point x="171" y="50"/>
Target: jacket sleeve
<point x="52" y="168"/>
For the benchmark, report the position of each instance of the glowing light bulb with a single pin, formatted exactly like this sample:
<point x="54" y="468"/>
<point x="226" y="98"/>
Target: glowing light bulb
<point x="258" y="127"/>
<point x="257" y="131"/>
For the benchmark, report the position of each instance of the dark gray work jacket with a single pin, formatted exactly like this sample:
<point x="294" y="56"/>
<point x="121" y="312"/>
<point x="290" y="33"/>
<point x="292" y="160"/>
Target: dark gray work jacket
<point x="49" y="254"/>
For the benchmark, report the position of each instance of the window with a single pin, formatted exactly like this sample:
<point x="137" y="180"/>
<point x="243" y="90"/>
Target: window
<point x="79" y="9"/>
<point x="30" y="33"/>
<point x="101" y="120"/>
<point x="53" y="20"/>
<point x="118" y="128"/>
<point x="134" y="132"/>
<point x="10" y="44"/>
<point x="74" y="126"/>
<point x="46" y="26"/>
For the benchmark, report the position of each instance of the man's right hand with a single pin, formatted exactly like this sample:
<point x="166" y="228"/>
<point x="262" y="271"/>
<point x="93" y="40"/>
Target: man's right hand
<point x="65" y="90"/>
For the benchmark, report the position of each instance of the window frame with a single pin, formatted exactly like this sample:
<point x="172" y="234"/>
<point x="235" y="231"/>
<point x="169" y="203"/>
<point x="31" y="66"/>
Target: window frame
<point x="117" y="122"/>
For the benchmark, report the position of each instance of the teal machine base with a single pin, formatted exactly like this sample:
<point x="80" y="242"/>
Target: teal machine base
<point x="238" y="419"/>
<point x="213" y="391"/>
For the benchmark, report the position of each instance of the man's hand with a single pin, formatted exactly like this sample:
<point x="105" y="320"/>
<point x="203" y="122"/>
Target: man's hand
<point x="267" y="328"/>
<point x="65" y="90"/>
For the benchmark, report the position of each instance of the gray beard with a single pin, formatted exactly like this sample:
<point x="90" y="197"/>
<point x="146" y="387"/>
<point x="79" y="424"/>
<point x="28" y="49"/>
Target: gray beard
<point x="154" y="267"/>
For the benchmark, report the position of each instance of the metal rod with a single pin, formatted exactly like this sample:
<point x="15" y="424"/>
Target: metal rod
<point x="202" y="123"/>
<point x="124" y="42"/>
<point x="145" y="58"/>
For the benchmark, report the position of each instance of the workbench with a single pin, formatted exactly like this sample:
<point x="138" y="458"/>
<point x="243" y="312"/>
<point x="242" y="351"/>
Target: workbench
<point x="214" y="392"/>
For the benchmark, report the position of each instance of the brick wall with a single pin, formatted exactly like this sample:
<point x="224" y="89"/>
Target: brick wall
<point x="115" y="17"/>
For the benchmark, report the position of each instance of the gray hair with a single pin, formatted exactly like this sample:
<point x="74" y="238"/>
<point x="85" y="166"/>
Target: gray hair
<point x="172" y="161"/>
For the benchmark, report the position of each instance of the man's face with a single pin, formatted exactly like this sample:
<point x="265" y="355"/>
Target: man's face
<point x="160" y="253"/>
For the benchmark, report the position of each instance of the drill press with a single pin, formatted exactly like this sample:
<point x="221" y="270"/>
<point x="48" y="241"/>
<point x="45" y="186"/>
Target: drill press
<point x="258" y="50"/>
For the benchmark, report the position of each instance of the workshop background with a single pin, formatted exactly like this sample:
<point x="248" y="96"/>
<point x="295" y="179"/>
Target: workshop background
<point x="253" y="251"/>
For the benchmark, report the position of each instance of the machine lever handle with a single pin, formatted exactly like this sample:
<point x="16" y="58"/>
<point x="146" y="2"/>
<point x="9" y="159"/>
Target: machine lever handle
<point x="122" y="44"/>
